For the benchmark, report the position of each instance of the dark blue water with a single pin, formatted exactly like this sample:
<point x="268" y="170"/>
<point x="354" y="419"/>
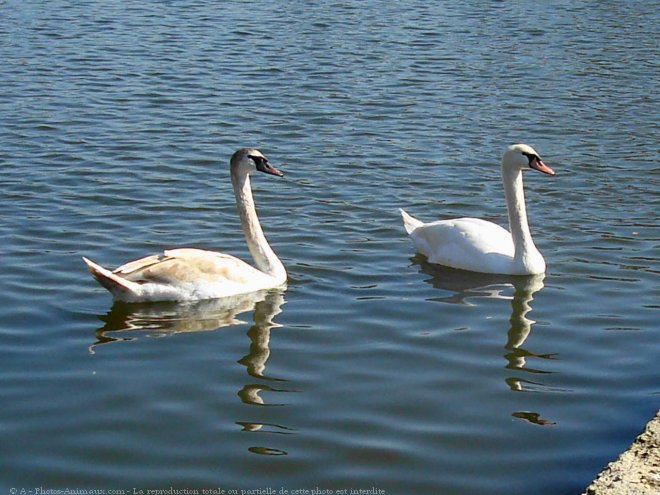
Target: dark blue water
<point x="373" y="369"/>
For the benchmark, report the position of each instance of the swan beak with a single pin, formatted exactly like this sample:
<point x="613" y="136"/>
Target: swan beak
<point x="266" y="167"/>
<point x="537" y="164"/>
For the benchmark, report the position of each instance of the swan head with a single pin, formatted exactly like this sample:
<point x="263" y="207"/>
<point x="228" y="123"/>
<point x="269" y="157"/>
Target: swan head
<point x="522" y="157"/>
<point x="248" y="160"/>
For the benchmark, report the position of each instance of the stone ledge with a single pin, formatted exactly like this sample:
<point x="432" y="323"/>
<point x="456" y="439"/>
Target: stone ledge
<point x="637" y="470"/>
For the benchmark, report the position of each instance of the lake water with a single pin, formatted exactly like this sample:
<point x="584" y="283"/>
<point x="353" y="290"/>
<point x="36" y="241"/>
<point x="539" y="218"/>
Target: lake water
<point x="373" y="370"/>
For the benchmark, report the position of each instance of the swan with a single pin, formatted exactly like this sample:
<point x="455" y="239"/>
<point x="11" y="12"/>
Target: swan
<point x="480" y="246"/>
<point x="187" y="274"/>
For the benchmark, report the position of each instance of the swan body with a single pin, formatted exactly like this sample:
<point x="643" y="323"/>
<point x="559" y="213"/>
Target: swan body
<point x="187" y="274"/>
<point x="481" y="246"/>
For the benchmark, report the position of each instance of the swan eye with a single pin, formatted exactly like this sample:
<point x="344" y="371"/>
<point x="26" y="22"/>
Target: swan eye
<point x="532" y="157"/>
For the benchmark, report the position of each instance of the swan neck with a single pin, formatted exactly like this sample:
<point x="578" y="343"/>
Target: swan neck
<point x="263" y="255"/>
<point x="515" y="203"/>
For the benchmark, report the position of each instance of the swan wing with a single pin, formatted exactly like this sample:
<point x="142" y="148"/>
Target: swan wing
<point x="465" y="243"/>
<point x="187" y="265"/>
<point x="181" y="275"/>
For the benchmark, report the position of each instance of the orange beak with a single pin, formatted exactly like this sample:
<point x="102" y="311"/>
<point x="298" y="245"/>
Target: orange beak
<point x="537" y="164"/>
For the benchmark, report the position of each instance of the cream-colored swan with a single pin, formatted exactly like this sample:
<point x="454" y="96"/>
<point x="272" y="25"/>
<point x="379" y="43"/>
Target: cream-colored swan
<point x="481" y="246"/>
<point x="187" y="274"/>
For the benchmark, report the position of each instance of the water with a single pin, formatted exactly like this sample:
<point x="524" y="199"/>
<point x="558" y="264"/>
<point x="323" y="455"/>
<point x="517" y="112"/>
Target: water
<point x="373" y="369"/>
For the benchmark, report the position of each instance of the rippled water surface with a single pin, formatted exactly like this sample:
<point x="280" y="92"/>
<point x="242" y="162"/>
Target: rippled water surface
<point x="373" y="369"/>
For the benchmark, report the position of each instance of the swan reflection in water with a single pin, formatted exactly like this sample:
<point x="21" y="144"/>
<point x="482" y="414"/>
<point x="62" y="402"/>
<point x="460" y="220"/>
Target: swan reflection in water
<point x="465" y="285"/>
<point x="127" y="322"/>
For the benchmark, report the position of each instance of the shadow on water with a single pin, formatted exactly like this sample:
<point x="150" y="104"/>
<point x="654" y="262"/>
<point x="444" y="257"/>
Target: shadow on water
<point x="464" y="286"/>
<point x="128" y="322"/>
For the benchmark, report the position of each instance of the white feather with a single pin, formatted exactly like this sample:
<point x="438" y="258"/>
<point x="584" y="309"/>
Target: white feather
<point x="480" y="246"/>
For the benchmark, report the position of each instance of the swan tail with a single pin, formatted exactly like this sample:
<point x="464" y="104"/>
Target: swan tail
<point x="119" y="287"/>
<point x="409" y="223"/>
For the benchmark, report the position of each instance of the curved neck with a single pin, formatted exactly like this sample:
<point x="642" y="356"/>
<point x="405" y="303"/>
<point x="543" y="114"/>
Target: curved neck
<point x="515" y="203"/>
<point x="263" y="255"/>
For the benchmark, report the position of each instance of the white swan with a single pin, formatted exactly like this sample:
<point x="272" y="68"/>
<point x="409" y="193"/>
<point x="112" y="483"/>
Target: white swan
<point x="481" y="246"/>
<point x="187" y="274"/>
